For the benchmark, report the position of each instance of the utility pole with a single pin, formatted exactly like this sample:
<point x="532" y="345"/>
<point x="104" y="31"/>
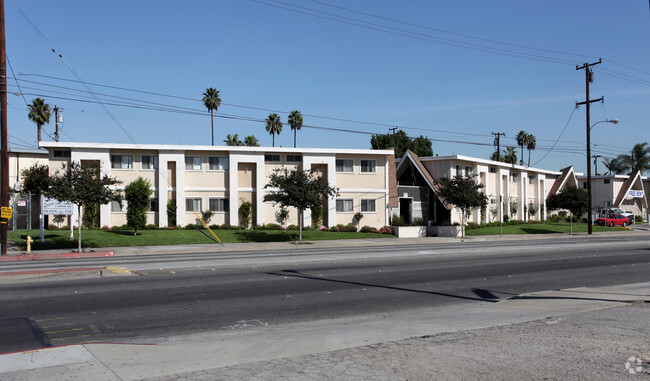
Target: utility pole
<point x="56" y="123"/>
<point x="596" y="162"/>
<point x="393" y="129"/>
<point x="4" y="159"/>
<point x="498" y="136"/>
<point x="589" y="77"/>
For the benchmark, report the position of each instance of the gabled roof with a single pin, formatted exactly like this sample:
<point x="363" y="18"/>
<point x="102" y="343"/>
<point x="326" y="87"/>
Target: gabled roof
<point x="567" y="176"/>
<point x="414" y="160"/>
<point x="627" y="186"/>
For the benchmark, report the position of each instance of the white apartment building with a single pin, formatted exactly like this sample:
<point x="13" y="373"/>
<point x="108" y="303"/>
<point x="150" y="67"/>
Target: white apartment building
<point x="221" y="178"/>
<point x="626" y="192"/>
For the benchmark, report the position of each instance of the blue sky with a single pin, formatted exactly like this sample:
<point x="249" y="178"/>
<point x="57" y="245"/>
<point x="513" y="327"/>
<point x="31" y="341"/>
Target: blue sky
<point x="451" y="71"/>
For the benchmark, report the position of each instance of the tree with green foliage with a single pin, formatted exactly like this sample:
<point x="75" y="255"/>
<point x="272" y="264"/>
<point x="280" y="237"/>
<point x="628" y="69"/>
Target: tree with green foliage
<point x="295" y="121"/>
<point x="573" y="199"/>
<point x="39" y="113"/>
<point x="211" y="101"/>
<point x="83" y="186"/>
<point x="36" y="179"/>
<point x="171" y="212"/>
<point x="273" y="125"/>
<point x="464" y="193"/>
<point x="614" y="166"/>
<point x="251" y="141"/>
<point x="637" y="160"/>
<point x="281" y="216"/>
<point x="401" y="142"/>
<point x="509" y="155"/>
<point x="297" y="189"/>
<point x="522" y="141"/>
<point x="245" y="213"/>
<point x="137" y="195"/>
<point x="233" y="140"/>
<point x="531" y="144"/>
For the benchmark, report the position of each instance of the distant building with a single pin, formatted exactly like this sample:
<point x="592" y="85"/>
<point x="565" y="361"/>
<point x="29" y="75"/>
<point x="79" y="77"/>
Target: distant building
<point x="220" y="178"/>
<point x="21" y="159"/>
<point x="626" y="192"/>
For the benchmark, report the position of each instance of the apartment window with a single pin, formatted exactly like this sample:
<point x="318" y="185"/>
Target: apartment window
<point x="116" y="207"/>
<point x="219" y="204"/>
<point x="153" y="204"/>
<point x="514" y="177"/>
<point x="193" y="204"/>
<point x="368" y="205"/>
<point x="459" y="170"/>
<point x="344" y="165"/>
<point x="193" y="163"/>
<point x="272" y="157"/>
<point x="531" y="180"/>
<point x="61" y="153"/>
<point x="122" y="161"/>
<point x="218" y="163"/>
<point x="344" y="205"/>
<point x="493" y="169"/>
<point x="493" y="201"/>
<point x="294" y="158"/>
<point x="606" y="181"/>
<point x="468" y="171"/>
<point x="367" y="166"/>
<point x="149" y="162"/>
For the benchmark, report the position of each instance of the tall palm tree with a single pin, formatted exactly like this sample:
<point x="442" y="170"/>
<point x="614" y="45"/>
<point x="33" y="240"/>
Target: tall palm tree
<point x="273" y="125"/>
<point x="614" y="166"/>
<point x="233" y="140"/>
<point x="522" y="140"/>
<point x="39" y="113"/>
<point x="295" y="121"/>
<point x="639" y="158"/>
<point x="251" y="141"/>
<point x="531" y="144"/>
<point x="509" y="155"/>
<point x="212" y="102"/>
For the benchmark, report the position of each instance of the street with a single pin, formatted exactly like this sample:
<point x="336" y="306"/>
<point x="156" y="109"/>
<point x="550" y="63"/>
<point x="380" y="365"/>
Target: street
<point x="148" y="297"/>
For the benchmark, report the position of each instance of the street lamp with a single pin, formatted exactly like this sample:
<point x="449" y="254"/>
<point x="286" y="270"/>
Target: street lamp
<point x="589" y="212"/>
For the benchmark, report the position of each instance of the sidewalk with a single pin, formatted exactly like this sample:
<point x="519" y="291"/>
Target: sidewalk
<point x="564" y="334"/>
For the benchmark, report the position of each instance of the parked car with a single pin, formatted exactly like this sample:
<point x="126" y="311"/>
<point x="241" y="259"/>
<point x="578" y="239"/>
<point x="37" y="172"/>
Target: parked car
<point x="613" y="219"/>
<point x="607" y="211"/>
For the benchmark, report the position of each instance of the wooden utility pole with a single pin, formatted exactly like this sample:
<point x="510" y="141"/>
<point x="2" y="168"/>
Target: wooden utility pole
<point x="498" y="136"/>
<point x="588" y="79"/>
<point x="4" y="159"/>
<point x="56" y="123"/>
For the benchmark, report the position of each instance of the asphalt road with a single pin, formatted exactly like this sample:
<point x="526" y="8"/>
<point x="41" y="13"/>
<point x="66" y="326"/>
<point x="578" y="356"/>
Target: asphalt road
<point x="172" y="295"/>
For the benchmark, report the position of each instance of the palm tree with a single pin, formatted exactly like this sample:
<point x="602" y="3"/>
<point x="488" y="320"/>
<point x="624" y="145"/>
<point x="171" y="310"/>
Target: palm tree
<point x="39" y="113"/>
<point x="614" y="166"/>
<point x="531" y="144"/>
<point x="522" y="140"/>
<point x="295" y="121"/>
<point x="233" y="140"/>
<point x="639" y="158"/>
<point x="251" y="141"/>
<point x="509" y="155"/>
<point x="212" y="102"/>
<point x="273" y="125"/>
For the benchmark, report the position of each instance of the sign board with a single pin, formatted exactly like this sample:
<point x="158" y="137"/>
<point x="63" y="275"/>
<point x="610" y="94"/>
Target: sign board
<point x="6" y="212"/>
<point x="56" y="208"/>
<point x="635" y="193"/>
<point x="21" y="203"/>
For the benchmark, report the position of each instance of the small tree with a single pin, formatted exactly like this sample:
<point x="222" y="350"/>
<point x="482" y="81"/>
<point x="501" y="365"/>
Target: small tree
<point x="36" y="179"/>
<point x="206" y="216"/>
<point x="514" y="206"/>
<point x="171" y="213"/>
<point x="137" y="195"/>
<point x="245" y="213"/>
<point x="281" y="216"/>
<point x="298" y="189"/>
<point x="573" y="199"/>
<point x="464" y="193"/>
<point x="532" y="209"/>
<point x="83" y="186"/>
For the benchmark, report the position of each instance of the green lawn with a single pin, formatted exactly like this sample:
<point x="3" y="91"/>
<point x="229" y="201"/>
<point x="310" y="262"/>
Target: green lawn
<point x="547" y="228"/>
<point x="60" y="239"/>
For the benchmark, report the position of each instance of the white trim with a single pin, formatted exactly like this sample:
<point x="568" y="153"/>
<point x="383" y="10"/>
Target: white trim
<point x="361" y="190"/>
<point x="206" y="189"/>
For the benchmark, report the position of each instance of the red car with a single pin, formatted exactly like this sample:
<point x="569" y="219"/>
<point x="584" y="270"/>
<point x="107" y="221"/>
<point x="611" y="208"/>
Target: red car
<point x="613" y="219"/>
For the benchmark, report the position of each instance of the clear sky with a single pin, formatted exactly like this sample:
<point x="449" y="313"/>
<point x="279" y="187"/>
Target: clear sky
<point x="454" y="71"/>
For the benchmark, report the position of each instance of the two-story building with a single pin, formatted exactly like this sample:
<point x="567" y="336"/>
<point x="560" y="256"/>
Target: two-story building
<point x="221" y="178"/>
<point x="626" y="192"/>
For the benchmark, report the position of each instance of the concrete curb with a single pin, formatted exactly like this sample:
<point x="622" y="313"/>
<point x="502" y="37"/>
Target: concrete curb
<point x="35" y="257"/>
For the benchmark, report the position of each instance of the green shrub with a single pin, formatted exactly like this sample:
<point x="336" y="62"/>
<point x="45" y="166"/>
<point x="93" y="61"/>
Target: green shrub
<point x="214" y="227"/>
<point x="272" y="227"/>
<point x="52" y="227"/>
<point x="397" y="221"/>
<point x="472" y="225"/>
<point x="349" y="228"/>
<point x="192" y="226"/>
<point x="151" y="227"/>
<point x="368" y="229"/>
<point x="420" y="221"/>
<point x="638" y="219"/>
<point x="293" y="227"/>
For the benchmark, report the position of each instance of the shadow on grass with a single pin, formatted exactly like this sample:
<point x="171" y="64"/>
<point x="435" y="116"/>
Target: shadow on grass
<point x="263" y="236"/>
<point x="53" y="242"/>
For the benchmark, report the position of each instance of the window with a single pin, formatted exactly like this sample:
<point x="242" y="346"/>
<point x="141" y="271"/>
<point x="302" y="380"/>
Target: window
<point x="459" y="170"/>
<point x="149" y="162"/>
<point x="344" y="165"/>
<point x="116" y="207"/>
<point x="606" y="181"/>
<point x="367" y="205"/>
<point x="468" y="171"/>
<point x="584" y="185"/>
<point x="193" y="163"/>
<point x="344" y="205"/>
<point x="531" y="180"/>
<point x="193" y="204"/>
<point x="493" y="201"/>
<point x="218" y="163"/>
<point x="294" y="158"/>
<point x="493" y="169"/>
<point x="272" y="157"/>
<point x="367" y="166"/>
<point x="514" y="177"/>
<point x="219" y="205"/>
<point x="153" y="204"/>
<point x="122" y="161"/>
<point x="61" y="153"/>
